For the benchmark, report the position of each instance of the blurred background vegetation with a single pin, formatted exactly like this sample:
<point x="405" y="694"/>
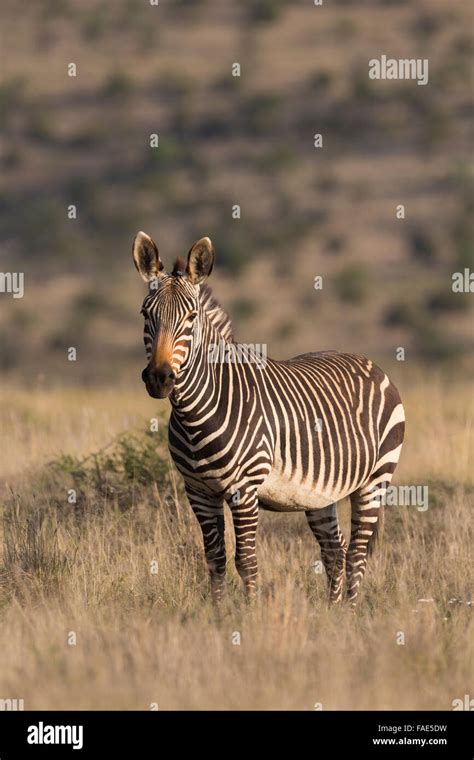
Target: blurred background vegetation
<point x="225" y="140"/>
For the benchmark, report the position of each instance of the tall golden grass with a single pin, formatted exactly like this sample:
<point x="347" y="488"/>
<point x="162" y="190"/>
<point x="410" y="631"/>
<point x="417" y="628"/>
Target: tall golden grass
<point x="146" y="638"/>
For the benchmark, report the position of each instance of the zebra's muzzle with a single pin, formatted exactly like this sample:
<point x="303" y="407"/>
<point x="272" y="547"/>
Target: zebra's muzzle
<point x="159" y="381"/>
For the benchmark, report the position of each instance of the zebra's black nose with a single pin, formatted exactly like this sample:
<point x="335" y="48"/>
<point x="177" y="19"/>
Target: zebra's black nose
<point x="159" y="381"/>
<point x="165" y="374"/>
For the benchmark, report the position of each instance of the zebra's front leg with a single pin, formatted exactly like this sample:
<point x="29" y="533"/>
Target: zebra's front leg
<point x="210" y="515"/>
<point x="244" y="508"/>
<point x="325" y="527"/>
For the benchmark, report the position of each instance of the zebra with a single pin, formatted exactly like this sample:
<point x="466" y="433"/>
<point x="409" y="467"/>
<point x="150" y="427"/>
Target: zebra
<point x="293" y="435"/>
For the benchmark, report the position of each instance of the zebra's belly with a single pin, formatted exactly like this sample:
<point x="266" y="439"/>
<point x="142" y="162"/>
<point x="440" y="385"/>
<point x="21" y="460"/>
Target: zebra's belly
<point x="281" y="494"/>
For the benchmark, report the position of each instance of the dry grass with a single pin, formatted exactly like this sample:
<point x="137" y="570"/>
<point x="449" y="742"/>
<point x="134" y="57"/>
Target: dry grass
<point x="146" y="638"/>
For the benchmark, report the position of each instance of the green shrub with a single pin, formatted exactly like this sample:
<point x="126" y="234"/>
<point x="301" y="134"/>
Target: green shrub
<point x="421" y="246"/>
<point x="12" y="98"/>
<point x="285" y="330"/>
<point x="433" y="345"/>
<point x="94" y="25"/>
<point x="352" y="283"/>
<point x="400" y="314"/>
<point x="427" y="24"/>
<point x="118" y="85"/>
<point x="263" y="11"/>
<point x="320" y="81"/>
<point x="243" y="308"/>
<point x="363" y="90"/>
<point x="260" y="112"/>
<point x="40" y="125"/>
<point x="445" y="300"/>
<point x="335" y="243"/>
<point x="235" y="246"/>
<point x="281" y="157"/>
<point x="463" y="239"/>
<point x="130" y="461"/>
<point x="175" y="84"/>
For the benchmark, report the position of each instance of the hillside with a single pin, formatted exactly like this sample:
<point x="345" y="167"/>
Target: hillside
<point x="226" y="140"/>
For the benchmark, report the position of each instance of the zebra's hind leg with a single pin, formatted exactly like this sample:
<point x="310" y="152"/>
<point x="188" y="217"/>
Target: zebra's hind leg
<point x="367" y="512"/>
<point x="210" y="516"/>
<point x="325" y="527"/>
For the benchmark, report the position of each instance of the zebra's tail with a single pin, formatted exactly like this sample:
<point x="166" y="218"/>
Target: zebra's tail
<point x="377" y="535"/>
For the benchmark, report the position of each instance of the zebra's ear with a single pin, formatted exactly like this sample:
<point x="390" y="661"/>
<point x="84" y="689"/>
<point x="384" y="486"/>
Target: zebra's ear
<point x="200" y="261"/>
<point x="146" y="257"/>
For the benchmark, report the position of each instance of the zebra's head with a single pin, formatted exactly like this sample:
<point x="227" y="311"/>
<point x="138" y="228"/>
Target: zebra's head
<point x="170" y="309"/>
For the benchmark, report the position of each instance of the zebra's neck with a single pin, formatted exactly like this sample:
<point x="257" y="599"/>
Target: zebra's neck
<point x="199" y="379"/>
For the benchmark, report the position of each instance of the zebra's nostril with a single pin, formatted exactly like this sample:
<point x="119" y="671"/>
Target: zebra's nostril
<point x="162" y="376"/>
<point x="165" y="374"/>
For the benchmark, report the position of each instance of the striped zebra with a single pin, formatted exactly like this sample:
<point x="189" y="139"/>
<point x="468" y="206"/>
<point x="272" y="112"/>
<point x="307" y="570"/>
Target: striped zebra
<point x="293" y="435"/>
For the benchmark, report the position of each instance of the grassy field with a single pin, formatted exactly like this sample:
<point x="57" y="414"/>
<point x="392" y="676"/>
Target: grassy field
<point x="104" y="602"/>
<point x="103" y="586"/>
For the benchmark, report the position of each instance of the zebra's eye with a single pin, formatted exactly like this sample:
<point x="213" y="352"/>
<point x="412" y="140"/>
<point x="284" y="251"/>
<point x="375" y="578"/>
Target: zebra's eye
<point x="143" y="312"/>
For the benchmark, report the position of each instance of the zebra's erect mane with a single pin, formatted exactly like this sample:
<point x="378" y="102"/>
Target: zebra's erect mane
<point x="219" y="318"/>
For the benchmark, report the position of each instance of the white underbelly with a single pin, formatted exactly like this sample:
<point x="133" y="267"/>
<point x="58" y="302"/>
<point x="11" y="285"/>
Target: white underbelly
<point x="283" y="495"/>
